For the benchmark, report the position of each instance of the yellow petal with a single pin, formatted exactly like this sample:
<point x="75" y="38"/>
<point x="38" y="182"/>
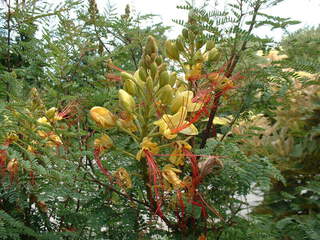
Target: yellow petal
<point x="190" y="130"/>
<point x="103" y="117"/>
<point x="103" y="142"/>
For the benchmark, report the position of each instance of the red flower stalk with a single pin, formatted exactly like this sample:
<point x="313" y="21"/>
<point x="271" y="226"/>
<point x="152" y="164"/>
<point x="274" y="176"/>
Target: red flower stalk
<point x="155" y="180"/>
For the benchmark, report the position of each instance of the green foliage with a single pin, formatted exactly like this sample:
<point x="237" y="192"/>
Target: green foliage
<point x="70" y="53"/>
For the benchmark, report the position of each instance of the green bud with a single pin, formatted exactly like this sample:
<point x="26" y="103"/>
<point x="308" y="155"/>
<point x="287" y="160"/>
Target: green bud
<point x="191" y="36"/>
<point x="126" y="101"/>
<point x="159" y="60"/>
<point x="179" y="45"/>
<point x="165" y="94"/>
<point x="164" y="78"/>
<point x="124" y="76"/>
<point x="149" y="84"/>
<point x="142" y="74"/>
<point x="210" y="44"/>
<point x="130" y="87"/>
<point x="198" y="57"/>
<point x="147" y="60"/>
<point x="185" y="33"/>
<point x="173" y="78"/>
<point x="151" y="46"/>
<point x="153" y="69"/>
<point x="172" y="50"/>
<point x="199" y="43"/>
<point x="213" y="54"/>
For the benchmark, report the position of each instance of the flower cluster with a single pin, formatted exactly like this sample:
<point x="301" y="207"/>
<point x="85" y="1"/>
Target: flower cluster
<point x="158" y="110"/>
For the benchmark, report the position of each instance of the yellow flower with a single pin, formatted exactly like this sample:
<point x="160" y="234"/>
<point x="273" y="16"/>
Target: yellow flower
<point x="220" y="81"/>
<point x="126" y="121"/>
<point x="170" y="174"/>
<point x="103" y="117"/>
<point x="104" y="142"/>
<point x="55" y="139"/>
<point x="123" y="176"/>
<point x="177" y="155"/>
<point x="147" y="144"/>
<point x="195" y="72"/>
<point x="169" y="125"/>
<point x="184" y="99"/>
<point x="53" y="115"/>
<point x="44" y="121"/>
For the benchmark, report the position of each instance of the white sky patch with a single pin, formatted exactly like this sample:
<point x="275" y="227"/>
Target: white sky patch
<point x="306" y="11"/>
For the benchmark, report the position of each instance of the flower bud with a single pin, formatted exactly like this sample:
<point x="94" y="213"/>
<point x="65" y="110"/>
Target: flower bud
<point x="198" y="57"/>
<point x="185" y="33"/>
<point x="103" y="143"/>
<point x="125" y="76"/>
<point x="149" y="84"/>
<point x="210" y="44"/>
<point x="159" y="60"/>
<point x="164" y="78"/>
<point x="151" y="46"/>
<point x="179" y="45"/>
<point x="213" y="55"/>
<point x="147" y="60"/>
<point x="199" y="43"/>
<point x="130" y="87"/>
<point x="173" y="79"/>
<point x="171" y="50"/>
<point x="142" y="74"/>
<point x="191" y="36"/>
<point x="153" y="69"/>
<point x="126" y="101"/>
<point x="103" y="117"/>
<point x="165" y="94"/>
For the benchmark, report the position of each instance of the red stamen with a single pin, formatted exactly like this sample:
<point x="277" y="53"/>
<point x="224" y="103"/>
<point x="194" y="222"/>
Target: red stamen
<point x="97" y="152"/>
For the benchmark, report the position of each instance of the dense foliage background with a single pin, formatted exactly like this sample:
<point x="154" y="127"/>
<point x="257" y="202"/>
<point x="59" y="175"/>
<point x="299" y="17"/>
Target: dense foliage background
<point x="263" y="121"/>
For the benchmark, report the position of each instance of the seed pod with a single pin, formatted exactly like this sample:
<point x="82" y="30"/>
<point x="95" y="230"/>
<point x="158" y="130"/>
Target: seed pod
<point x="165" y="94"/>
<point x="171" y="50"/>
<point x="126" y="101"/>
<point x="164" y="78"/>
<point x="210" y="44"/>
<point x="130" y="87"/>
<point x="142" y="74"/>
<point x="185" y="33"/>
<point x="103" y="117"/>
<point x="213" y="55"/>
